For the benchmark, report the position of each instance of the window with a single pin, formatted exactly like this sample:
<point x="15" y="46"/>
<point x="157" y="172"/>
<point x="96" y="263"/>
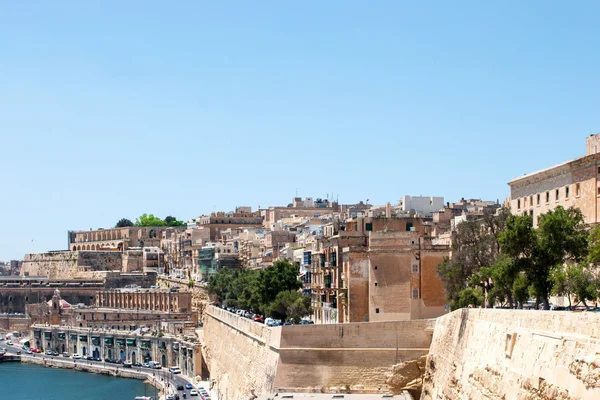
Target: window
<point x="377" y="311"/>
<point x="409" y="226"/>
<point x="375" y="283"/>
<point x="547" y="197"/>
<point x="415" y="294"/>
<point x="415" y="268"/>
<point x="531" y="213"/>
<point x="577" y="189"/>
<point x="368" y="227"/>
<point x="530" y="201"/>
<point x="566" y="192"/>
<point x="599" y="170"/>
<point x="539" y="199"/>
<point x="599" y="191"/>
<point x="557" y="194"/>
<point x="519" y="204"/>
<point x="376" y="267"/>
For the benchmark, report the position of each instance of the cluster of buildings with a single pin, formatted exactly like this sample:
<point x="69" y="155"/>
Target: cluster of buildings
<point x="358" y="262"/>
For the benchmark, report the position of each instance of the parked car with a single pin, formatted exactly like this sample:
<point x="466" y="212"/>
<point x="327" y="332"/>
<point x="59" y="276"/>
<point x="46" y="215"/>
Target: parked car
<point x="258" y="318"/>
<point x="146" y="365"/>
<point x="306" y="322"/>
<point x="171" y="397"/>
<point x="137" y="364"/>
<point x="65" y="354"/>
<point x="127" y="365"/>
<point x="28" y="351"/>
<point x="10" y="343"/>
<point x="76" y="356"/>
<point x="193" y="392"/>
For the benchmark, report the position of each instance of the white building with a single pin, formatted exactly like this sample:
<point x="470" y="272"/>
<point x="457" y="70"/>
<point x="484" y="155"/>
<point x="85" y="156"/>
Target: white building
<point x="421" y="204"/>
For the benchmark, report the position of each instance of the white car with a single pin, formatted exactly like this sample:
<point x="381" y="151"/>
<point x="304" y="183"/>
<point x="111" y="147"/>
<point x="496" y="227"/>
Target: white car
<point x="10" y="343"/>
<point x="193" y="392"/>
<point x="76" y="356"/>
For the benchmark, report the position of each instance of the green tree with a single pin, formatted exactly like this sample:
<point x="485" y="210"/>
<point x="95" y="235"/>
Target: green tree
<point x="501" y="277"/>
<point x="172" y="221"/>
<point x="289" y="304"/>
<point x="123" y="222"/>
<point x="279" y="277"/>
<point x="563" y="238"/>
<point x="149" y="220"/>
<point x="475" y="247"/>
<point x="521" y="289"/>
<point x="470" y="297"/>
<point x="258" y="290"/>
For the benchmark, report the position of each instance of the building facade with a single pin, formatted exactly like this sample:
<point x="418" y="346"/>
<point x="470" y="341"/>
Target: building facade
<point x="575" y="183"/>
<point x="167" y="350"/>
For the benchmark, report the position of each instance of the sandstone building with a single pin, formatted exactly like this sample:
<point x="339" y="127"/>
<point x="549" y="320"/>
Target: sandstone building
<point x="117" y="239"/>
<point x="574" y="183"/>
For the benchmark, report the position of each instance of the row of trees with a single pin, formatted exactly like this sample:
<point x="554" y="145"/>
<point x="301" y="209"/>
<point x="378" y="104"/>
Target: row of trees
<point x="273" y="291"/>
<point x="149" y="220"/>
<point x="503" y="259"/>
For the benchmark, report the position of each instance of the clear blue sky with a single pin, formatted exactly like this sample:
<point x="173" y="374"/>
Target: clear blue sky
<point x="113" y="109"/>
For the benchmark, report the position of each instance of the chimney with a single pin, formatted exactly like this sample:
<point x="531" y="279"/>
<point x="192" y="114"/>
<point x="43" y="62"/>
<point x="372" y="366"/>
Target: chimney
<point x="388" y="210"/>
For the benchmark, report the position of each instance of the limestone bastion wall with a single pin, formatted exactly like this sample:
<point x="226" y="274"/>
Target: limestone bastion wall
<point x="70" y="265"/>
<point x="244" y="357"/>
<point x="514" y="354"/>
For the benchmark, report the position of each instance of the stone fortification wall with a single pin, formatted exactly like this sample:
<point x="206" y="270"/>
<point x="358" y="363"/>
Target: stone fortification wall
<point x="71" y="265"/>
<point x="241" y="355"/>
<point x="355" y="356"/>
<point x="244" y="356"/>
<point x="514" y="354"/>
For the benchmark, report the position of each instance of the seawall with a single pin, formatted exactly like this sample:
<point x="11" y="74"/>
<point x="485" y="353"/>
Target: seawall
<point x="245" y="357"/>
<point x="514" y="354"/>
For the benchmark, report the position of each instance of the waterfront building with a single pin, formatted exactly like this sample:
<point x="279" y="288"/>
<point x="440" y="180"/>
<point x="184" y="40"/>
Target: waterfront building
<point x="134" y="346"/>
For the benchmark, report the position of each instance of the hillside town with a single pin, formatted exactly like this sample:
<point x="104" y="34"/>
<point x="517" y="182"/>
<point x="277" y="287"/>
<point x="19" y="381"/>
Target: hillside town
<point x="144" y="295"/>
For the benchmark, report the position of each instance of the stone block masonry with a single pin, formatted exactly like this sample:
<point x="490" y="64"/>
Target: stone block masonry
<point x="71" y="265"/>
<point x="243" y="356"/>
<point x="514" y="354"/>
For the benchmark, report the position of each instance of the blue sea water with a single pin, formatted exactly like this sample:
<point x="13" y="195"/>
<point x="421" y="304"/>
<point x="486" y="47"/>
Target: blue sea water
<point x="33" y="382"/>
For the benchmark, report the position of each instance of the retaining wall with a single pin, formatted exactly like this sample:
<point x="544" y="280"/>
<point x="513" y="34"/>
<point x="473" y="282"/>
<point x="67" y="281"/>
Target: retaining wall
<point x="244" y="357"/>
<point x="514" y="354"/>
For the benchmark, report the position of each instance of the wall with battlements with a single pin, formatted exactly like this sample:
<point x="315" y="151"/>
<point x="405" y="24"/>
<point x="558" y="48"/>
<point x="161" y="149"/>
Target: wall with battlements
<point x="243" y="356"/>
<point x="514" y="354"/>
<point x="71" y="265"/>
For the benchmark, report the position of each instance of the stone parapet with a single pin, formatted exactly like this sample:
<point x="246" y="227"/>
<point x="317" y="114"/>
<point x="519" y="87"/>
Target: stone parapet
<point x="514" y="354"/>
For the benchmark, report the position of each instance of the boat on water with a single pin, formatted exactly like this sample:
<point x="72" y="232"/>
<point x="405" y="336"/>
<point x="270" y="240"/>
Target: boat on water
<point x="143" y="398"/>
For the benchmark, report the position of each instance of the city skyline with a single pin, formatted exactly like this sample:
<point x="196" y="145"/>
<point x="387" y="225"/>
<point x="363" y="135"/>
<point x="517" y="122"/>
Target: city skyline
<point x="111" y="111"/>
